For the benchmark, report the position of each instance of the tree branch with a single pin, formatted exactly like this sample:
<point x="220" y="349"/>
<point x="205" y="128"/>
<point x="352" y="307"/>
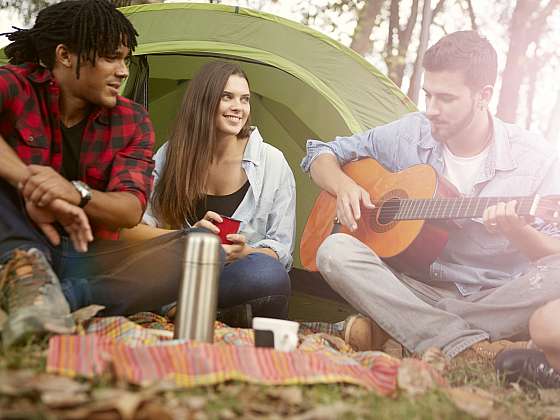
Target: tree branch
<point x="472" y="16"/>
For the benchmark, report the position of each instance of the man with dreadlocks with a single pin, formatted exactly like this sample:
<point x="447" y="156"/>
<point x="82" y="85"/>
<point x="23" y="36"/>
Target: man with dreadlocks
<point x="74" y="152"/>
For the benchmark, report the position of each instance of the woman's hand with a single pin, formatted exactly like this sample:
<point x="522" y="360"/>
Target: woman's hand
<point x="238" y="249"/>
<point x="207" y="220"/>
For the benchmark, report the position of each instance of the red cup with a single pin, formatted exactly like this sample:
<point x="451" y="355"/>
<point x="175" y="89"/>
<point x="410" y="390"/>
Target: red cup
<point x="226" y="227"/>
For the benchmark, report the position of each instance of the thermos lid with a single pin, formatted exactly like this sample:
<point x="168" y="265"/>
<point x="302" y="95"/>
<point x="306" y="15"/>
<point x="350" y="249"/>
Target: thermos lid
<point x="202" y="248"/>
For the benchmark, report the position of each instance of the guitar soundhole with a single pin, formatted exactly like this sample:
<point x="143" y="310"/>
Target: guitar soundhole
<point x="383" y="217"/>
<point x="388" y="211"/>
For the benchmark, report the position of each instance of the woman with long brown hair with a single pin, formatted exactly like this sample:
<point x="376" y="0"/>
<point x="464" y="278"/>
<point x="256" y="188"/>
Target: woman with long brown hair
<point x="214" y="165"/>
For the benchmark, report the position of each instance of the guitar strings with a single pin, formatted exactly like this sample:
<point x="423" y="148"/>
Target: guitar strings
<point x="394" y="206"/>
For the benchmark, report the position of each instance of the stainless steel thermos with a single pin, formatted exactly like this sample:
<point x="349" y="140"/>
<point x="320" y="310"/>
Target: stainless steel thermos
<point x="198" y="292"/>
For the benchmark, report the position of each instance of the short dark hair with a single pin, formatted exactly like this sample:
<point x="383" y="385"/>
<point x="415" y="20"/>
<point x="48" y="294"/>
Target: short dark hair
<point x="467" y="52"/>
<point x="89" y="28"/>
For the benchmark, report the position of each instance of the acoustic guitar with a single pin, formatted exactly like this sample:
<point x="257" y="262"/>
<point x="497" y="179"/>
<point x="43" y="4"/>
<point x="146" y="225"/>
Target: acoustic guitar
<point x="408" y="226"/>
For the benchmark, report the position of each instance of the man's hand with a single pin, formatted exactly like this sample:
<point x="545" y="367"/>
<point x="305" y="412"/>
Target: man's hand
<point x="238" y="249"/>
<point x="72" y="218"/>
<point x="45" y="185"/>
<point x="349" y="198"/>
<point x="503" y="218"/>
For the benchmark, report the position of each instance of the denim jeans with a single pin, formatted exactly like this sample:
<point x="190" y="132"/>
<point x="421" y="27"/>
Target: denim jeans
<point x="129" y="277"/>
<point x="259" y="280"/>
<point x="124" y="277"/>
<point x="421" y="315"/>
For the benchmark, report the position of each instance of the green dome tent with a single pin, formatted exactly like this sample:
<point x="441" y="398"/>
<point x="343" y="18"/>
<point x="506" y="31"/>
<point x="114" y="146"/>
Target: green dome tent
<point x="304" y="84"/>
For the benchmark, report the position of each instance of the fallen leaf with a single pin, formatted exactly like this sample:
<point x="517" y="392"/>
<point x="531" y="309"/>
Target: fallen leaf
<point x="472" y="400"/>
<point x="153" y="410"/>
<point x="413" y="378"/>
<point x="291" y="395"/>
<point x="261" y="408"/>
<point x="516" y="387"/>
<point x="552" y="413"/>
<point x="354" y="391"/>
<point x="58" y="399"/>
<point x="125" y="402"/>
<point x="63" y="384"/>
<point x="226" y="414"/>
<point x="3" y="318"/>
<point x="327" y="412"/>
<point x="200" y="416"/>
<point x="85" y="314"/>
<point x="550" y="396"/>
<point x="16" y="382"/>
<point x="436" y="359"/>
<point x="195" y="402"/>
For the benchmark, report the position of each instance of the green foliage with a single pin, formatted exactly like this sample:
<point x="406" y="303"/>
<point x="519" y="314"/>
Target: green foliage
<point x="28" y="9"/>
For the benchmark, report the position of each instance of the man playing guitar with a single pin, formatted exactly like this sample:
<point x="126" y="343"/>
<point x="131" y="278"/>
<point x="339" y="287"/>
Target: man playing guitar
<point x="495" y="270"/>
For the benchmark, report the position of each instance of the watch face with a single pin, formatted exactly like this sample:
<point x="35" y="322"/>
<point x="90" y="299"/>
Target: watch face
<point x="84" y="191"/>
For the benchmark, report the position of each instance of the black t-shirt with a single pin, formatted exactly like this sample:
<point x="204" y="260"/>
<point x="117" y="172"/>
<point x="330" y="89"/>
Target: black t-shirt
<point x="221" y="204"/>
<point x="71" y="146"/>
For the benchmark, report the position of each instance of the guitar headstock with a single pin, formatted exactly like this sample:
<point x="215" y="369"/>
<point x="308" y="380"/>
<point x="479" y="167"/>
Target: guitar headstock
<point x="547" y="208"/>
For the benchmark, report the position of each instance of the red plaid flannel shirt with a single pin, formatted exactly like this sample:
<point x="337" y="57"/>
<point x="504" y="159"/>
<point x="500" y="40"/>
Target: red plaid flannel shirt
<point x="117" y="143"/>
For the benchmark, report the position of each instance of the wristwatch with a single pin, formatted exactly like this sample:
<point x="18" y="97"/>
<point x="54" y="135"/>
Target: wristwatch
<point x="85" y="192"/>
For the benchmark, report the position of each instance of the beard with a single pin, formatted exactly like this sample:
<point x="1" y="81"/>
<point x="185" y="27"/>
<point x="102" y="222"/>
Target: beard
<point x="444" y="133"/>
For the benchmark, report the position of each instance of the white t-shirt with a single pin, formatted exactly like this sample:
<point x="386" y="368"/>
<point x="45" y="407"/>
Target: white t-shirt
<point x="463" y="171"/>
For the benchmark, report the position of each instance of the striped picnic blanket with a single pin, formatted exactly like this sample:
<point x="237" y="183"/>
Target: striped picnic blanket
<point x="118" y="346"/>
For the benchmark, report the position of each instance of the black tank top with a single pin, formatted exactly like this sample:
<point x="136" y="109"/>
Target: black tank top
<point x="221" y="204"/>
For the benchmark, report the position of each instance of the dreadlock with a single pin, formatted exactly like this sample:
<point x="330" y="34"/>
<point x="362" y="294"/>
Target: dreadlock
<point x="88" y="28"/>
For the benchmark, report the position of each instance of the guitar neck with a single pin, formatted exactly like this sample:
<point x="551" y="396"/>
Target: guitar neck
<point x="451" y="208"/>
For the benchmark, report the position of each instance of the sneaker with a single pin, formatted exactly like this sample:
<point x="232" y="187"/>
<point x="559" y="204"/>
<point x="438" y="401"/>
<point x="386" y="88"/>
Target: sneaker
<point x="488" y="351"/>
<point x="363" y="334"/>
<point x="527" y="366"/>
<point x="32" y="298"/>
<point x="239" y="316"/>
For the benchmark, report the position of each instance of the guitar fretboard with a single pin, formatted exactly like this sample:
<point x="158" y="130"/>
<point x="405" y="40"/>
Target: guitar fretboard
<point x="448" y="208"/>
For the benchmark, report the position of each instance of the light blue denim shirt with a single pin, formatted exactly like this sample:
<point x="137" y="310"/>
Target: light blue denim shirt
<point x="268" y="210"/>
<point x="519" y="163"/>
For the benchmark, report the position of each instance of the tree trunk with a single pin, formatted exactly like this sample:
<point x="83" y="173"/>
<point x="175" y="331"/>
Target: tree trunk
<point x="415" y="79"/>
<point x="361" y="42"/>
<point x="532" y="88"/>
<point x="472" y="16"/>
<point x="554" y="120"/>
<point x="527" y="25"/>
<point x="414" y="88"/>
<point x="395" y="56"/>
<point x="515" y="61"/>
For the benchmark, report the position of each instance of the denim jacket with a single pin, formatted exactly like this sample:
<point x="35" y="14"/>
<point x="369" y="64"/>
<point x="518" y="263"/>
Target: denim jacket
<point x="267" y="212"/>
<point x="519" y="163"/>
